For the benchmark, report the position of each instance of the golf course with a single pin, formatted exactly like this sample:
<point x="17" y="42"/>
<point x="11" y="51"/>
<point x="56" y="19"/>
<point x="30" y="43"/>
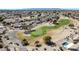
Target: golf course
<point x="43" y="30"/>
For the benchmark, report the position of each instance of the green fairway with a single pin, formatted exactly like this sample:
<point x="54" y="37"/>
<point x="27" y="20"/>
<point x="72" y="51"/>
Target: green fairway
<point x="62" y="22"/>
<point x="39" y="31"/>
<point x="43" y="30"/>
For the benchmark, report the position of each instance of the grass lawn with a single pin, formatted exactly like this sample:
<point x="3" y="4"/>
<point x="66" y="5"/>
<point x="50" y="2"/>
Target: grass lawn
<point x="43" y="30"/>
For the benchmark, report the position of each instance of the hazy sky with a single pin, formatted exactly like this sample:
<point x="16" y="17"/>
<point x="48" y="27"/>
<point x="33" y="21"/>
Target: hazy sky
<point x="15" y="4"/>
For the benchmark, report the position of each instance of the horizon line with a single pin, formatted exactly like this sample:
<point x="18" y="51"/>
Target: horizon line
<point x="39" y="8"/>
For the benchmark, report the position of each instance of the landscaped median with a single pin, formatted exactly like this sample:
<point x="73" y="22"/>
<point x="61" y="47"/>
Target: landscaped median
<point x="43" y="30"/>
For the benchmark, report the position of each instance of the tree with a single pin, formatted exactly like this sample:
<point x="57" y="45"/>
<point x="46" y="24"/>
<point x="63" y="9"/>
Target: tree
<point x="25" y="42"/>
<point x="57" y="17"/>
<point x="76" y="41"/>
<point x="71" y="25"/>
<point x="45" y="49"/>
<point x="1" y="18"/>
<point x="55" y="22"/>
<point x="69" y="14"/>
<point x="1" y="46"/>
<point x="47" y="40"/>
<point x="37" y="44"/>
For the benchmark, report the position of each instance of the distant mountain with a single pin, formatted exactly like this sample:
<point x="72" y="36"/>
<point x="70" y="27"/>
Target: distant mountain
<point x="34" y="9"/>
<point x="43" y="9"/>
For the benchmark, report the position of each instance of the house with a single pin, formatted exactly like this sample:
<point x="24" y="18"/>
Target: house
<point x="17" y="25"/>
<point x="67" y="45"/>
<point x="2" y="29"/>
<point x="9" y="20"/>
